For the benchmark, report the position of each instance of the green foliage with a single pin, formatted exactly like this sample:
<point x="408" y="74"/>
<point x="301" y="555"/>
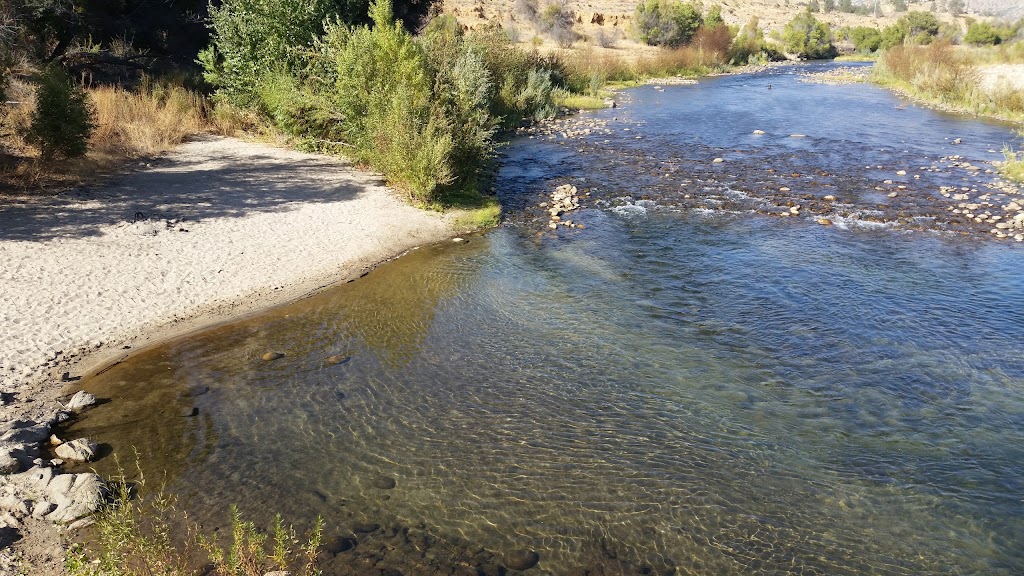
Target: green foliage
<point x="749" y="46"/>
<point x="146" y="536"/>
<point x="63" y="117"/>
<point x="917" y="23"/>
<point x="1012" y="168"/>
<point x="247" y="554"/>
<point x="254" y="37"/>
<point x="667" y="22"/>
<point x="899" y="5"/>
<point x="808" y="38"/>
<point x="982" y="33"/>
<point x="866" y="39"/>
<point x="713" y="18"/>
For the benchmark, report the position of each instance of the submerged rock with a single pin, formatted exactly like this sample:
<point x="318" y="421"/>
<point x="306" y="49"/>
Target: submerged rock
<point x="522" y="560"/>
<point x="383" y="482"/>
<point x="271" y="356"/>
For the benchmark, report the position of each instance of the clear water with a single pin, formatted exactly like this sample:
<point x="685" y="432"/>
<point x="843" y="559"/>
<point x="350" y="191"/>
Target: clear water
<point x="682" y="389"/>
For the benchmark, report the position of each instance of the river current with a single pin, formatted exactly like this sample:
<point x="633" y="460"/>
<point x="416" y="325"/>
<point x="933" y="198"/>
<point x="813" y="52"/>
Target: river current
<point x="700" y="380"/>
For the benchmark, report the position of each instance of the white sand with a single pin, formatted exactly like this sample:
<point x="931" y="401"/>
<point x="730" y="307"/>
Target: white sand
<point x="264" y="225"/>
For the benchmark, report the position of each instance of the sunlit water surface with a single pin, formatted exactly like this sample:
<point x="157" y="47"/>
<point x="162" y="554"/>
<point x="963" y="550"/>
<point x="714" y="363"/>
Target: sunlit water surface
<point x="705" y="392"/>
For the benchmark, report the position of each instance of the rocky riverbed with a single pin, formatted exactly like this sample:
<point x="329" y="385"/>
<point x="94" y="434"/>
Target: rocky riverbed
<point x="950" y="193"/>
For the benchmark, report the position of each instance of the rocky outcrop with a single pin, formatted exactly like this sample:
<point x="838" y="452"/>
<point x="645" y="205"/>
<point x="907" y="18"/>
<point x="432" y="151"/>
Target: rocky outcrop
<point x="32" y="486"/>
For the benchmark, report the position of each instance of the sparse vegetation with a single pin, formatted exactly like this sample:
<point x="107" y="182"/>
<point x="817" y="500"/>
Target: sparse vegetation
<point x="1012" y="166"/>
<point x="143" y="536"/>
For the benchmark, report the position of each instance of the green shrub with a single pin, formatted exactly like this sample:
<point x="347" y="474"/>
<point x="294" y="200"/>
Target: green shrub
<point x="749" y="46"/>
<point x="981" y="34"/>
<point x="63" y="117"/>
<point x="666" y="22"/>
<point x="808" y="38"/>
<point x="866" y="39"/>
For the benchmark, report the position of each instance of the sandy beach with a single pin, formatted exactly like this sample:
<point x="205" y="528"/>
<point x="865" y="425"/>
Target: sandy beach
<point x="218" y="229"/>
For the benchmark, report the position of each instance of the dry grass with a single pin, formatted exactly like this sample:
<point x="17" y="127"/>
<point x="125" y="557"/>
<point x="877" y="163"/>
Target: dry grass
<point x="945" y="76"/>
<point x="129" y="125"/>
<point x="145" y="123"/>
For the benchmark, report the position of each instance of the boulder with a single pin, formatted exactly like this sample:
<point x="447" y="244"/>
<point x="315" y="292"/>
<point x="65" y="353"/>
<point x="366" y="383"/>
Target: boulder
<point x="80" y="400"/>
<point x="80" y="450"/>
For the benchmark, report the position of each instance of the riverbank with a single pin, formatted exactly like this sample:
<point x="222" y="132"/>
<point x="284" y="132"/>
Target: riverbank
<point x="218" y="229"/>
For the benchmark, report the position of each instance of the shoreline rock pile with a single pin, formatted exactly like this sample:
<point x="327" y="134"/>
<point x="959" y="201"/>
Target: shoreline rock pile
<point x="32" y="486"/>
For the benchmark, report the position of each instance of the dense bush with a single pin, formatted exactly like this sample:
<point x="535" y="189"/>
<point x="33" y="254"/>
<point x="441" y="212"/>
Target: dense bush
<point x="865" y="39"/>
<point x="808" y="38"/>
<point x="252" y="38"/>
<point x="63" y="117"/>
<point x="667" y="22"/>
<point x="936" y="70"/>
<point x="982" y="33"/>
<point x="749" y="46"/>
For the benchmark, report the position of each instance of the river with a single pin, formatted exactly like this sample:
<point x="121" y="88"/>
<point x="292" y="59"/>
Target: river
<point x="700" y="380"/>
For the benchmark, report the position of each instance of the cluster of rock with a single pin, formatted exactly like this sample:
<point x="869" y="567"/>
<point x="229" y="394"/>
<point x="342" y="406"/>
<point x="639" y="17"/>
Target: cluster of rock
<point x="571" y="128"/>
<point x="1001" y="207"/>
<point x="671" y="81"/>
<point x="843" y="75"/>
<point x="33" y="486"/>
<point x="564" y="199"/>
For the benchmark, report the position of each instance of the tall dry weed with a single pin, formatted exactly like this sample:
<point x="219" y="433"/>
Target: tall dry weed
<point x="147" y="122"/>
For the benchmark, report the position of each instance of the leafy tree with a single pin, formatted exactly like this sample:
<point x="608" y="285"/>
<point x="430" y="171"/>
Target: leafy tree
<point x="982" y="33"/>
<point x="63" y="117"/>
<point x="917" y="23"/>
<point x="866" y="39"/>
<point x="252" y="38"/>
<point x="713" y="18"/>
<point x="666" y="22"/>
<point x="808" y="38"/>
<point x="893" y="35"/>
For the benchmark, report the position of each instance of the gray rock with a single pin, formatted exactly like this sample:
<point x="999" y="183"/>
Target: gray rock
<point x="14" y="506"/>
<point x="8" y="463"/>
<point x="81" y="399"/>
<point x="80" y="450"/>
<point x="26" y="432"/>
<point x="42" y="508"/>
<point x="383" y="482"/>
<point x="83" y="497"/>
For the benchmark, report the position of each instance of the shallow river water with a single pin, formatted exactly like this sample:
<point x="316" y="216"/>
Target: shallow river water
<point x="689" y="384"/>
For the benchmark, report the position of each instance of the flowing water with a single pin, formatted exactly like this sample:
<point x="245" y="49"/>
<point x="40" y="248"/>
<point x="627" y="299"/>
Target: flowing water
<point x="689" y="384"/>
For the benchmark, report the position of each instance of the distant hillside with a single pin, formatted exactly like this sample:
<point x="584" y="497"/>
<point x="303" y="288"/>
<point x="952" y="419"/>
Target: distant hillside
<point x="605" y="23"/>
<point x="1009" y="9"/>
